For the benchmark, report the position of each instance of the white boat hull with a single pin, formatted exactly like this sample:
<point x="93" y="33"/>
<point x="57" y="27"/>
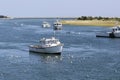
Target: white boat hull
<point x="45" y="25"/>
<point x="109" y="34"/>
<point x="54" y="49"/>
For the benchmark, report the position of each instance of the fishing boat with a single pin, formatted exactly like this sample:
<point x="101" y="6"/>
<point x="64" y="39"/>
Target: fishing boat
<point x="45" y="25"/>
<point x="57" y="25"/>
<point x="47" y="45"/>
<point x="114" y="33"/>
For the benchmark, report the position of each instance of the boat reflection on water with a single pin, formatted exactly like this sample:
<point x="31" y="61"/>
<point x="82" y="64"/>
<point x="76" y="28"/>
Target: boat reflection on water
<point x="47" y="58"/>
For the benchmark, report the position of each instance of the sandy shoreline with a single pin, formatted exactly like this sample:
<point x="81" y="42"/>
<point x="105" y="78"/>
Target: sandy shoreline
<point x="109" y="23"/>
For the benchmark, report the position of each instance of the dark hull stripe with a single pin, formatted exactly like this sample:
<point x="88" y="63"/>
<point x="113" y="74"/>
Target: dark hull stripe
<point x="45" y="53"/>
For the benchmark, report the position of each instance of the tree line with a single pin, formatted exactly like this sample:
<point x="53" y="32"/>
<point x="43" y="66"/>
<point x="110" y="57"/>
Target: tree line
<point x="98" y="18"/>
<point x="2" y="16"/>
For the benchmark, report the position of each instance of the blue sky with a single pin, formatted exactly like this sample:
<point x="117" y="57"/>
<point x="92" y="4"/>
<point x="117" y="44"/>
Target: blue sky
<point x="59" y="8"/>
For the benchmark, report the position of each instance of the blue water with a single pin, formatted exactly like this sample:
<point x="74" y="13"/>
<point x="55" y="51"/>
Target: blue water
<point x="84" y="56"/>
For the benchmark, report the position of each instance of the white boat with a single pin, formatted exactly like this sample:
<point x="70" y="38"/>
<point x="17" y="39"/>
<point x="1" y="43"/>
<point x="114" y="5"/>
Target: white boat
<point x="45" y="25"/>
<point x="57" y="25"/>
<point x="47" y="45"/>
<point x="115" y="33"/>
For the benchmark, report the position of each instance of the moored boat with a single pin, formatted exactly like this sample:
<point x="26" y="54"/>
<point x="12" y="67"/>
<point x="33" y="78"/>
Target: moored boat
<point x="114" y="33"/>
<point x="47" y="45"/>
<point x="45" y="25"/>
<point x="57" y="25"/>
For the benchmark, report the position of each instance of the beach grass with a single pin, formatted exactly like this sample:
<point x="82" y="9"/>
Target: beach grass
<point x="107" y="23"/>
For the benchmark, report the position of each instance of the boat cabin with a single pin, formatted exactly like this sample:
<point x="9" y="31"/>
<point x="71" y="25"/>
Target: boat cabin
<point x="115" y="29"/>
<point x="49" y="42"/>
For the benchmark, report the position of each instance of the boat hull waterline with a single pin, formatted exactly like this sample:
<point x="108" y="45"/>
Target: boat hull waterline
<point x="108" y="35"/>
<point x="51" y="50"/>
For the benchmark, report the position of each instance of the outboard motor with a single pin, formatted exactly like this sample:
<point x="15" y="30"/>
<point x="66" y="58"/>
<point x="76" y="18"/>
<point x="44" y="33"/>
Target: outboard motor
<point x="111" y="35"/>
